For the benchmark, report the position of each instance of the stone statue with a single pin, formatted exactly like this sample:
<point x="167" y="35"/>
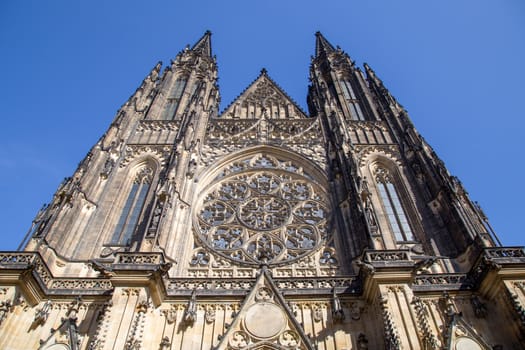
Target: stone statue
<point x="338" y="314"/>
<point x="190" y="315"/>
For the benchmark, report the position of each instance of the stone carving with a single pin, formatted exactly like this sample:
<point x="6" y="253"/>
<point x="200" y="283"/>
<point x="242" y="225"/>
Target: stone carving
<point x="365" y="267"/>
<point x="449" y="305"/>
<point x="392" y="341"/>
<point x="155" y="218"/>
<point x="239" y="340"/>
<point x="190" y="314"/>
<point x="317" y="313"/>
<point x="42" y="313"/>
<point x="365" y="195"/>
<point x="424" y="327"/>
<point x="139" y="258"/>
<point x="171" y="314"/>
<point x="424" y="264"/>
<point x="328" y="257"/>
<point x="338" y="315"/>
<point x="134" y="341"/>
<point x="162" y="153"/>
<point x="252" y="216"/>
<point x="165" y="343"/>
<point x="441" y="279"/>
<point x="480" y="309"/>
<point x="363" y="153"/>
<point x="73" y="309"/>
<point x="132" y="344"/>
<point x="355" y="310"/>
<point x="102" y="323"/>
<point x="498" y="252"/>
<point x="113" y="153"/>
<point x="391" y="255"/>
<point x="263" y="294"/>
<point x="200" y="258"/>
<point x="180" y="286"/>
<point x="289" y="339"/>
<point x="264" y="213"/>
<point x="81" y="284"/>
<point x="5" y="308"/>
<point x="158" y="125"/>
<point x="209" y="315"/>
<point x="518" y="308"/>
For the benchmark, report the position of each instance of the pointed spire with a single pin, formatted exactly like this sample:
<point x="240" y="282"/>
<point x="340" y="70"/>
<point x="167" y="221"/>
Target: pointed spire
<point x="203" y="46"/>
<point x="322" y="45"/>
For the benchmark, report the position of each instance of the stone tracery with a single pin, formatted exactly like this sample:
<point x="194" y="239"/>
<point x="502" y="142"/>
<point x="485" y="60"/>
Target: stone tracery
<point x="263" y="210"/>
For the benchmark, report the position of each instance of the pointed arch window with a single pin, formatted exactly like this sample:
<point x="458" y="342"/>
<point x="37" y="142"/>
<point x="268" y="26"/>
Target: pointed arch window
<point x="174" y="98"/>
<point x="395" y="212"/>
<point x="133" y="207"/>
<point x="351" y="100"/>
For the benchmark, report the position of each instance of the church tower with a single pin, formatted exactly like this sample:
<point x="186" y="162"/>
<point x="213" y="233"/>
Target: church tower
<point x="261" y="227"/>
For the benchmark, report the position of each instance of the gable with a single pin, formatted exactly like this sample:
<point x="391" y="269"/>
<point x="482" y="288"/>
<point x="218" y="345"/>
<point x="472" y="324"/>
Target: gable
<point x="263" y="99"/>
<point x="264" y="321"/>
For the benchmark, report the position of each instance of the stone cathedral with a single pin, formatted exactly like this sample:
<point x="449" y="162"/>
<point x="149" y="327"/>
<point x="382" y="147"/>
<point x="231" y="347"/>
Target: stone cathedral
<point x="261" y="227"/>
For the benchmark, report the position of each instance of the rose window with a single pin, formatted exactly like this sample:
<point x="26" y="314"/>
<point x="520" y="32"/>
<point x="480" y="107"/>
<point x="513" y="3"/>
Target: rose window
<point x="264" y="215"/>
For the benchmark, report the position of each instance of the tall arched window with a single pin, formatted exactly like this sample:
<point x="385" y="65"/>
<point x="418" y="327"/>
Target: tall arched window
<point x="352" y="101"/>
<point x="133" y="207"/>
<point x="173" y="100"/>
<point x="392" y="204"/>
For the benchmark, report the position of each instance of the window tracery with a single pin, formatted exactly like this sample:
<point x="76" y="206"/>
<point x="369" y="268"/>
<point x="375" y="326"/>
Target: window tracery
<point x="173" y="100"/>
<point x="133" y="207"/>
<point x="395" y="212"/>
<point x="263" y="210"/>
<point x="351" y="100"/>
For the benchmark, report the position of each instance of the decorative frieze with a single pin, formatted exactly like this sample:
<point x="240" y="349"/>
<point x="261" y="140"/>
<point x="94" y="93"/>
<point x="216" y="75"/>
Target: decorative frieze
<point x="505" y="252"/>
<point x="455" y="281"/>
<point x="139" y="258"/>
<point x="159" y="152"/>
<point x="158" y="125"/>
<point x="290" y="285"/>
<point x="81" y="284"/>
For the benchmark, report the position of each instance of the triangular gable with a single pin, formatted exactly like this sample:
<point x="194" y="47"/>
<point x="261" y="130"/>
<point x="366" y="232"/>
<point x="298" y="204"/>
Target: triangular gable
<point x="263" y="99"/>
<point x="264" y="321"/>
<point x="462" y="336"/>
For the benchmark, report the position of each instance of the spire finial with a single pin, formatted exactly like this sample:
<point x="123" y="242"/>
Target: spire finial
<point x="322" y="46"/>
<point x="203" y="46"/>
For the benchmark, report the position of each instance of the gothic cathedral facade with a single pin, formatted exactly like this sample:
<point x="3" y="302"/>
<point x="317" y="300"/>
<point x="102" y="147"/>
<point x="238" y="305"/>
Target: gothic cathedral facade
<point x="262" y="227"/>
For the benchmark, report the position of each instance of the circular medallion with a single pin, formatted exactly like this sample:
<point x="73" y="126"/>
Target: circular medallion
<point x="264" y="320"/>
<point x="464" y="343"/>
<point x="264" y="213"/>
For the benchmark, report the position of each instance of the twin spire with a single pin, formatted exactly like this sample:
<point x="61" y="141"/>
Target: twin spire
<point x="203" y="45"/>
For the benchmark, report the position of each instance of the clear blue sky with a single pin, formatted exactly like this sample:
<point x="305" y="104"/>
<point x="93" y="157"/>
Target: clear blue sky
<point x="457" y="67"/>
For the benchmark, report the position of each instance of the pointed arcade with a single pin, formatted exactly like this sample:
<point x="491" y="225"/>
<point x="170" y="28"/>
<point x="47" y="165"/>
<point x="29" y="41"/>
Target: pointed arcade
<point x="322" y="46"/>
<point x="203" y="46"/>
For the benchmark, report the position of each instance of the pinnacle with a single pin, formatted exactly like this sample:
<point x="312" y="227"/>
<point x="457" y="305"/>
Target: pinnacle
<point x="203" y="46"/>
<point x="322" y="46"/>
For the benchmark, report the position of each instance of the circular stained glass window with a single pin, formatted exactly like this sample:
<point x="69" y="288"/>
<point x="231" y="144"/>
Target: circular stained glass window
<point x="264" y="215"/>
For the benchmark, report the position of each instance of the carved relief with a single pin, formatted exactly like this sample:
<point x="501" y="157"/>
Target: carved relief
<point x="161" y="153"/>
